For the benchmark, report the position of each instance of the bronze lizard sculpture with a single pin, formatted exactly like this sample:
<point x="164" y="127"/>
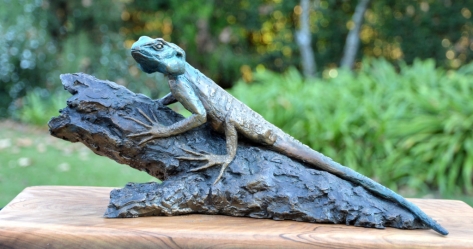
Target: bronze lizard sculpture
<point x="209" y="103"/>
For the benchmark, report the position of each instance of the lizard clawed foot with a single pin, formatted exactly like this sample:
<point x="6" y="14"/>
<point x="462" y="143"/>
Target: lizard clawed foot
<point x="156" y="130"/>
<point x="211" y="159"/>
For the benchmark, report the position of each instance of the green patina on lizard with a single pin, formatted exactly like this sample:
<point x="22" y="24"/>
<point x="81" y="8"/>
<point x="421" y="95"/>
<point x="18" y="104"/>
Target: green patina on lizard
<point x="209" y="103"/>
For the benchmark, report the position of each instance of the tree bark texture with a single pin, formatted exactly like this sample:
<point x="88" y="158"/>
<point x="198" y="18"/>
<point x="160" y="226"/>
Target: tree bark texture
<point x="259" y="183"/>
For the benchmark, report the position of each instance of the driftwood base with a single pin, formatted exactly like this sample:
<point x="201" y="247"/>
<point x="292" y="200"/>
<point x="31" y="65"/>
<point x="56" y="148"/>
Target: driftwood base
<point x="72" y="217"/>
<point x="259" y="183"/>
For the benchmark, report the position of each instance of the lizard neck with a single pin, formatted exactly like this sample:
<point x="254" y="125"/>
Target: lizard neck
<point x="189" y="74"/>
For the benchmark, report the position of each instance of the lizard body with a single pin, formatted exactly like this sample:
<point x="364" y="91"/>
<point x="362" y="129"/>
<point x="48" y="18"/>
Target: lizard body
<point x="209" y="103"/>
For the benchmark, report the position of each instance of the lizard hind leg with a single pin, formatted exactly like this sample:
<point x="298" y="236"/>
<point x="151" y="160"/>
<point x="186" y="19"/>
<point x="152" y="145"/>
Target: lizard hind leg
<point x="213" y="160"/>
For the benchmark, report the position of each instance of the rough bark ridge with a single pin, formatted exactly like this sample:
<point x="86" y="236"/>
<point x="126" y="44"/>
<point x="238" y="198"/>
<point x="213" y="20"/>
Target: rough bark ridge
<point x="259" y="183"/>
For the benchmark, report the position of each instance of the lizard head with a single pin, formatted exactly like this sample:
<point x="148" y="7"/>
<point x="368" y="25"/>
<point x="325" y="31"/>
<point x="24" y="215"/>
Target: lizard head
<point x="157" y="55"/>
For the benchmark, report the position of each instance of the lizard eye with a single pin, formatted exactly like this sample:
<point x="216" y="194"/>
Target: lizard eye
<point x="158" y="46"/>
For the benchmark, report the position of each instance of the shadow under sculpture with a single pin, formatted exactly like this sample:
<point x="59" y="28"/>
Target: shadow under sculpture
<point x="259" y="182"/>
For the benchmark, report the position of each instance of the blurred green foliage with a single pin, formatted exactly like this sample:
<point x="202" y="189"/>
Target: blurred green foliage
<point x="410" y="130"/>
<point x="225" y="39"/>
<point x="25" y="48"/>
<point x="39" y="106"/>
<point x="41" y="39"/>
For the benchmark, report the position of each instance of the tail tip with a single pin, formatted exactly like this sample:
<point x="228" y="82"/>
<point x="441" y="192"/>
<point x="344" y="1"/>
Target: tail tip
<point x="440" y="229"/>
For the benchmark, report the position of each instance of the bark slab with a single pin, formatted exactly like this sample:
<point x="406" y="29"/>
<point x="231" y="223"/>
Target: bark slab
<point x="259" y="183"/>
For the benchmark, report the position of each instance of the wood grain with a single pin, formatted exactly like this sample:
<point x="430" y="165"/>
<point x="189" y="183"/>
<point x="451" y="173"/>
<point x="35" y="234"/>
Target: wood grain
<point x="71" y="217"/>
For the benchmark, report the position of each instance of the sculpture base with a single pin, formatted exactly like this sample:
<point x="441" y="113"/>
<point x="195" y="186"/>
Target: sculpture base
<point x="258" y="183"/>
<point x="72" y="217"/>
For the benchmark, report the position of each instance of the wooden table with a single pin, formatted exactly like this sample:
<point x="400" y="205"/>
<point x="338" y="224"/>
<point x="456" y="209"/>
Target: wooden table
<point x="71" y="217"/>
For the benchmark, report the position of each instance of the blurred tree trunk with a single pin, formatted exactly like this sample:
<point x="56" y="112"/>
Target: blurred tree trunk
<point x="203" y="39"/>
<point x="353" y="38"/>
<point x="304" y="40"/>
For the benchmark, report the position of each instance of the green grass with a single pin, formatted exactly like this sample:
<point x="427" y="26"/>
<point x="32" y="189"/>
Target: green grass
<point x="29" y="156"/>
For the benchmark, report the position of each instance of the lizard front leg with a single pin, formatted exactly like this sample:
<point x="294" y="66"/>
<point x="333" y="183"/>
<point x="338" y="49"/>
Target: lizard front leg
<point x="168" y="99"/>
<point x="188" y="98"/>
<point x="212" y="160"/>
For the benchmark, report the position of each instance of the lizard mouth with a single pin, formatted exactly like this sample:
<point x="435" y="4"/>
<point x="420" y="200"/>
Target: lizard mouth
<point x="138" y="55"/>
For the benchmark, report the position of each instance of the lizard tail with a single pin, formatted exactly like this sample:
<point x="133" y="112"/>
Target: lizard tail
<point x="295" y="149"/>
